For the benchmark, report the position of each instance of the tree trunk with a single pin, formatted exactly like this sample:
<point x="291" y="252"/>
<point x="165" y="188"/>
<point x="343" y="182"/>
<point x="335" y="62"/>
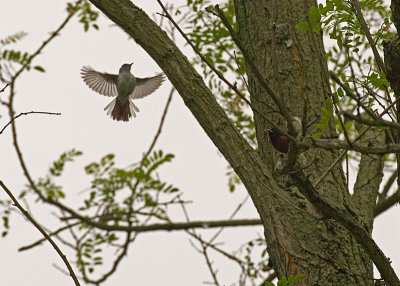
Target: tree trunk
<point x="299" y="240"/>
<point x="294" y="64"/>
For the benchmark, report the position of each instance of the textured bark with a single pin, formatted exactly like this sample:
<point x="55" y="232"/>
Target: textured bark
<point x="294" y="63"/>
<point x="369" y="178"/>
<point x="395" y="7"/>
<point x="392" y="62"/>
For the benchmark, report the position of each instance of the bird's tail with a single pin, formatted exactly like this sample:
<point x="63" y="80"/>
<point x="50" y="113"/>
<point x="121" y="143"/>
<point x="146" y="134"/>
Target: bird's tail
<point x="121" y="111"/>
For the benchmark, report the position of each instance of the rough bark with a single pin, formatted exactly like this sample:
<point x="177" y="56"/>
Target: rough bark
<point x="369" y="178"/>
<point x="395" y="7"/>
<point x="293" y="61"/>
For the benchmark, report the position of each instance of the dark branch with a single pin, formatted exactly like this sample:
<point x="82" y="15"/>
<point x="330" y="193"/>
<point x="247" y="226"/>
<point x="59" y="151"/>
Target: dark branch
<point x="337" y="144"/>
<point x="171" y="226"/>
<point x="375" y="122"/>
<point x="387" y="203"/>
<point x="26" y="113"/>
<point x="378" y="59"/>
<point x="4" y="88"/>
<point x="43" y="232"/>
<point x="342" y="216"/>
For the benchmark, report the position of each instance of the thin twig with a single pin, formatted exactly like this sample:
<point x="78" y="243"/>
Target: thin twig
<point x="26" y="113"/>
<point x="378" y="59"/>
<point x="350" y="94"/>
<point x="355" y="140"/>
<point x="72" y="12"/>
<point x="43" y="232"/>
<point x="209" y="264"/>
<point x="160" y="125"/>
<point x="239" y="206"/>
<point x="4" y="88"/>
<point x="40" y="241"/>
<point x="375" y="122"/>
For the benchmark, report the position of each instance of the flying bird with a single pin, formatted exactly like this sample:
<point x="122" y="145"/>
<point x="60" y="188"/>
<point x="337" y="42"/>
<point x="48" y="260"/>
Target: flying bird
<point x="124" y="86"/>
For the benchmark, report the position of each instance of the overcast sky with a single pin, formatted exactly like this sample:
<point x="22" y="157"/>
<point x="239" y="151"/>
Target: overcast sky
<point x="198" y="169"/>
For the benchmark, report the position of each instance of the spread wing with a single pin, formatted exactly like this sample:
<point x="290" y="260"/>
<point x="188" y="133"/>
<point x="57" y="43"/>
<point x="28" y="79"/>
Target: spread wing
<point x="103" y="83"/>
<point x="145" y="86"/>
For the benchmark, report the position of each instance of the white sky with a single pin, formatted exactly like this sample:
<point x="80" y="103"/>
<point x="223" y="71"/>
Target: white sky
<point x="198" y="170"/>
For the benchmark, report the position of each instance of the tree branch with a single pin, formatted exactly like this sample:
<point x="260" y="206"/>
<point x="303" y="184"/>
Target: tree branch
<point x="342" y="215"/>
<point x="171" y="226"/>
<point x="26" y="113"/>
<point x="337" y="144"/>
<point x="374" y="122"/>
<point x="43" y="232"/>
<point x="4" y="88"/>
<point x="378" y="59"/>
<point x="387" y="203"/>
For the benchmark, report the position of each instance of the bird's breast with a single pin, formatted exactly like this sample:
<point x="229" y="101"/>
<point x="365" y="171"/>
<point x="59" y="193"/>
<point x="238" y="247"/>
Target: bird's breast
<point x="125" y="85"/>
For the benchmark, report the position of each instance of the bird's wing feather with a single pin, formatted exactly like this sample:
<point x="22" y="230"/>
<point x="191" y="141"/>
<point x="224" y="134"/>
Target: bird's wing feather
<point x="103" y="83"/>
<point x="146" y="86"/>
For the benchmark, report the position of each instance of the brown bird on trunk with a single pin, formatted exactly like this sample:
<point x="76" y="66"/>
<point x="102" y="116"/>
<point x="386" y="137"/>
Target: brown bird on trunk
<point x="278" y="140"/>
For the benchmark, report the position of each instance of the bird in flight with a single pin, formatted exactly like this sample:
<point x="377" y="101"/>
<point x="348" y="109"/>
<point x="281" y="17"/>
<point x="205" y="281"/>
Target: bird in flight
<point x="124" y="86"/>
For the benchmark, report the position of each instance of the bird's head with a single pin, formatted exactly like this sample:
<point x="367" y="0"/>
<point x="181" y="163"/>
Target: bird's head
<point x="273" y="132"/>
<point x="126" y="67"/>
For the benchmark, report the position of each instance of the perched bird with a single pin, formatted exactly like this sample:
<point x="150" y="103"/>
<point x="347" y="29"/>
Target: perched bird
<point x="125" y="86"/>
<point x="278" y="140"/>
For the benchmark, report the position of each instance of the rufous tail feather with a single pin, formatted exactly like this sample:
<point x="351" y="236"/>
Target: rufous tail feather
<point x="121" y="112"/>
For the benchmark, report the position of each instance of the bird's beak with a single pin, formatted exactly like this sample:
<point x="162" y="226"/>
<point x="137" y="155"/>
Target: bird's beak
<point x="131" y="64"/>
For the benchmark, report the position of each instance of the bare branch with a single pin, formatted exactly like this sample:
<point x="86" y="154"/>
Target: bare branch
<point x="4" y="88"/>
<point x="46" y="42"/>
<point x="332" y="144"/>
<point x="378" y="59"/>
<point x="160" y="126"/>
<point x="355" y="140"/>
<point x="43" y="232"/>
<point x="26" y="113"/>
<point x="375" y="122"/>
<point x="387" y="203"/>
<point x="40" y="241"/>
<point x="169" y="226"/>
<point x="350" y="94"/>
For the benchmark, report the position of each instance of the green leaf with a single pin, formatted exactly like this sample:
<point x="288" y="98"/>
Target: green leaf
<point x="314" y="15"/>
<point x="304" y="26"/>
<point x="39" y="68"/>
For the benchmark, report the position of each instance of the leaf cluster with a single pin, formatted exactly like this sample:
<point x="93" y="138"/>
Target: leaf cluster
<point x="47" y="184"/>
<point x="132" y="196"/>
<point x="87" y="16"/>
<point x="11" y="58"/>
<point x="349" y="56"/>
